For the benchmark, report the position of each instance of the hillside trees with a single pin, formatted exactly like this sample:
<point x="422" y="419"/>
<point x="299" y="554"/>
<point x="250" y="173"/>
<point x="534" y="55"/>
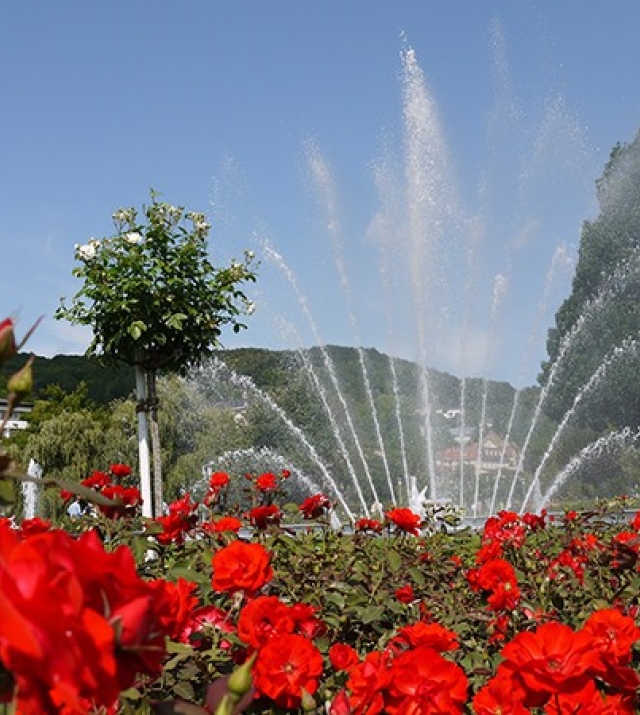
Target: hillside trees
<point x="598" y="323"/>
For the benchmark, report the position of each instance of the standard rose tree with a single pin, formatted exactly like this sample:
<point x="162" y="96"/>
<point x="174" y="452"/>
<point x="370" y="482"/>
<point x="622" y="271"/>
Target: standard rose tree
<point x="155" y="301"/>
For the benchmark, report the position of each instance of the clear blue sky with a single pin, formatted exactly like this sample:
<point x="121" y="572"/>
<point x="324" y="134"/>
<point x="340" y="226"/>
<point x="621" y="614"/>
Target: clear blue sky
<point x="228" y="107"/>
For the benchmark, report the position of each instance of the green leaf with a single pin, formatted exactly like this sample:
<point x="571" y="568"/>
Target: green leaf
<point x="136" y="329"/>
<point x="371" y="614"/>
<point x="7" y="491"/>
<point x="395" y="560"/>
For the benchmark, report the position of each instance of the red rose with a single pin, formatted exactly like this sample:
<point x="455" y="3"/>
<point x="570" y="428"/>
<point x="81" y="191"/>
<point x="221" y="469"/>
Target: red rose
<point x="36" y="525"/>
<point x="404" y="520"/>
<point x="405" y="594"/>
<point x="267" y="482"/>
<point x="96" y="480"/>
<point x="286" y="666"/>
<point x="264" y="618"/>
<point x="432" y="635"/>
<point x="119" y="471"/>
<point x="552" y="659"/>
<point x="367" y="683"/>
<point x="315" y="506"/>
<point x="423" y="681"/>
<point x="127" y="500"/>
<point x="343" y="656"/>
<point x="219" y="480"/>
<point x="263" y="516"/>
<point x="241" y="567"/>
<point x="368" y="525"/>
<point x="225" y="523"/>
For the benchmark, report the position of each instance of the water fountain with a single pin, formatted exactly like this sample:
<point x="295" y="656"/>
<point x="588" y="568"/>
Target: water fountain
<point x="433" y="297"/>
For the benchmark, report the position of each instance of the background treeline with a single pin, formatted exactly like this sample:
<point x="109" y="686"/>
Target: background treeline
<point x="103" y="383"/>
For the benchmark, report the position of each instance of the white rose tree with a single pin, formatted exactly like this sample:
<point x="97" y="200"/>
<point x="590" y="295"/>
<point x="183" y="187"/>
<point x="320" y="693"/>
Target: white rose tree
<point x="155" y="301"/>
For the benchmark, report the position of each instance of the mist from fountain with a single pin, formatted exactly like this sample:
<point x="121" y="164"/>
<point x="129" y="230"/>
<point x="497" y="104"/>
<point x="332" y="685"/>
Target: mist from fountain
<point x="421" y="221"/>
<point x="627" y="348"/>
<point x="30" y="490"/>
<point x="217" y="370"/>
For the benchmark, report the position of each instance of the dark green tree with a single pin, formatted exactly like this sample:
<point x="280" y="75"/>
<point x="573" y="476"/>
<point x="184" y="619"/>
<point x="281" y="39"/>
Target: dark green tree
<point x="600" y="320"/>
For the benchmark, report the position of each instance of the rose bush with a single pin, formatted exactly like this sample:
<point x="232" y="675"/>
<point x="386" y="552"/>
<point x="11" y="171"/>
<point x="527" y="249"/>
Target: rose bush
<point x="532" y="614"/>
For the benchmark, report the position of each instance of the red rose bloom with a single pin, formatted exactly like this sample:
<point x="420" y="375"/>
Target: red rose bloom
<point x="263" y="516"/>
<point x="552" y="659"/>
<point x="225" y="523"/>
<point x="284" y="667"/>
<point x="306" y="622"/>
<point x="498" y="578"/>
<point x="241" y="567"/>
<point x="264" y="618"/>
<point x="96" y="480"/>
<point x="405" y="594"/>
<point x="433" y="635"/>
<point x="613" y="635"/>
<point x="404" y="520"/>
<point x="267" y="482"/>
<point x="315" y="506"/>
<point x="343" y="656"/>
<point x="127" y="500"/>
<point x="119" y="471"/>
<point x="502" y="694"/>
<point x="35" y="526"/>
<point x="425" y="682"/>
<point x="218" y="480"/>
<point x="367" y="683"/>
<point x="368" y="525"/>
<point x="78" y="624"/>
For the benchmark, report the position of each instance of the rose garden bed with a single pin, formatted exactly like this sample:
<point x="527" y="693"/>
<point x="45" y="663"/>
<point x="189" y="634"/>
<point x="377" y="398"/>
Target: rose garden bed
<point x="113" y="613"/>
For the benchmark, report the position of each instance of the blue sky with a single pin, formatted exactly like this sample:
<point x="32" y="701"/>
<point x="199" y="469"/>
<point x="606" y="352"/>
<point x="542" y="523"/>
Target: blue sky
<point x="285" y="122"/>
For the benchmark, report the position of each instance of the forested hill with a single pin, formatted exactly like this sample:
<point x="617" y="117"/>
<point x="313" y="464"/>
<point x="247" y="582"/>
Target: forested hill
<point x="104" y="383"/>
<point x="281" y="374"/>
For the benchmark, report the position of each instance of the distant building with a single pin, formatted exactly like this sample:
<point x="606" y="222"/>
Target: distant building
<point x="493" y="454"/>
<point x="17" y="420"/>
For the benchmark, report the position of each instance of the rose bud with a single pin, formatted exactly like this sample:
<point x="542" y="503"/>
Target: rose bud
<point x="21" y="384"/>
<point x="7" y="340"/>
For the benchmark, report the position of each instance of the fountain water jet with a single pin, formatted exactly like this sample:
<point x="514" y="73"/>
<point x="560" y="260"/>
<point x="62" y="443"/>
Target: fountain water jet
<point x="431" y="248"/>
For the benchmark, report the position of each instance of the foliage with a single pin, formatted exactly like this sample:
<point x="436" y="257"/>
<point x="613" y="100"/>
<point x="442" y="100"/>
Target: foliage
<point x="350" y="616"/>
<point x="603" y="310"/>
<point x="150" y="293"/>
<point x="68" y="372"/>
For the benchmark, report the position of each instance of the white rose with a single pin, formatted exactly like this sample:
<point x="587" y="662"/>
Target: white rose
<point x="133" y="237"/>
<point x="87" y="251"/>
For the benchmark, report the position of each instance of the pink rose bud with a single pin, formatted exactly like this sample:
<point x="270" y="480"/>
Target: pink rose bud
<point x="7" y="340"/>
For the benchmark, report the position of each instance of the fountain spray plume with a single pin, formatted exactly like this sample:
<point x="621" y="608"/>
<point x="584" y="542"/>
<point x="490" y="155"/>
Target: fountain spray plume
<point x="499" y="290"/>
<point x="628" y="347"/>
<point x="607" y="443"/>
<point x="217" y="367"/>
<point x="337" y="433"/>
<point x="277" y="259"/>
<point x="322" y="175"/>
<point x="559" y="261"/>
<point x="383" y="233"/>
<point x="590" y="310"/>
<point x="426" y="178"/>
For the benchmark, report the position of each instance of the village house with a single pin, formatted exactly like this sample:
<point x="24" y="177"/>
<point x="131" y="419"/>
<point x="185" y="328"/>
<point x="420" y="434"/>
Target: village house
<point x="493" y="454"/>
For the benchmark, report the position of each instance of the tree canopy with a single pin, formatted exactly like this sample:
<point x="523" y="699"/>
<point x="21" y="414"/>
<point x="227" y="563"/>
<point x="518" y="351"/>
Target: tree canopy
<point x="592" y="346"/>
<point x="151" y="294"/>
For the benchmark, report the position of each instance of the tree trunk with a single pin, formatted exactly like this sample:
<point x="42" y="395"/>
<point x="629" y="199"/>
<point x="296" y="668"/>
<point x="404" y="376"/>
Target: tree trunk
<point x="143" y="442"/>
<point x="158" y="502"/>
